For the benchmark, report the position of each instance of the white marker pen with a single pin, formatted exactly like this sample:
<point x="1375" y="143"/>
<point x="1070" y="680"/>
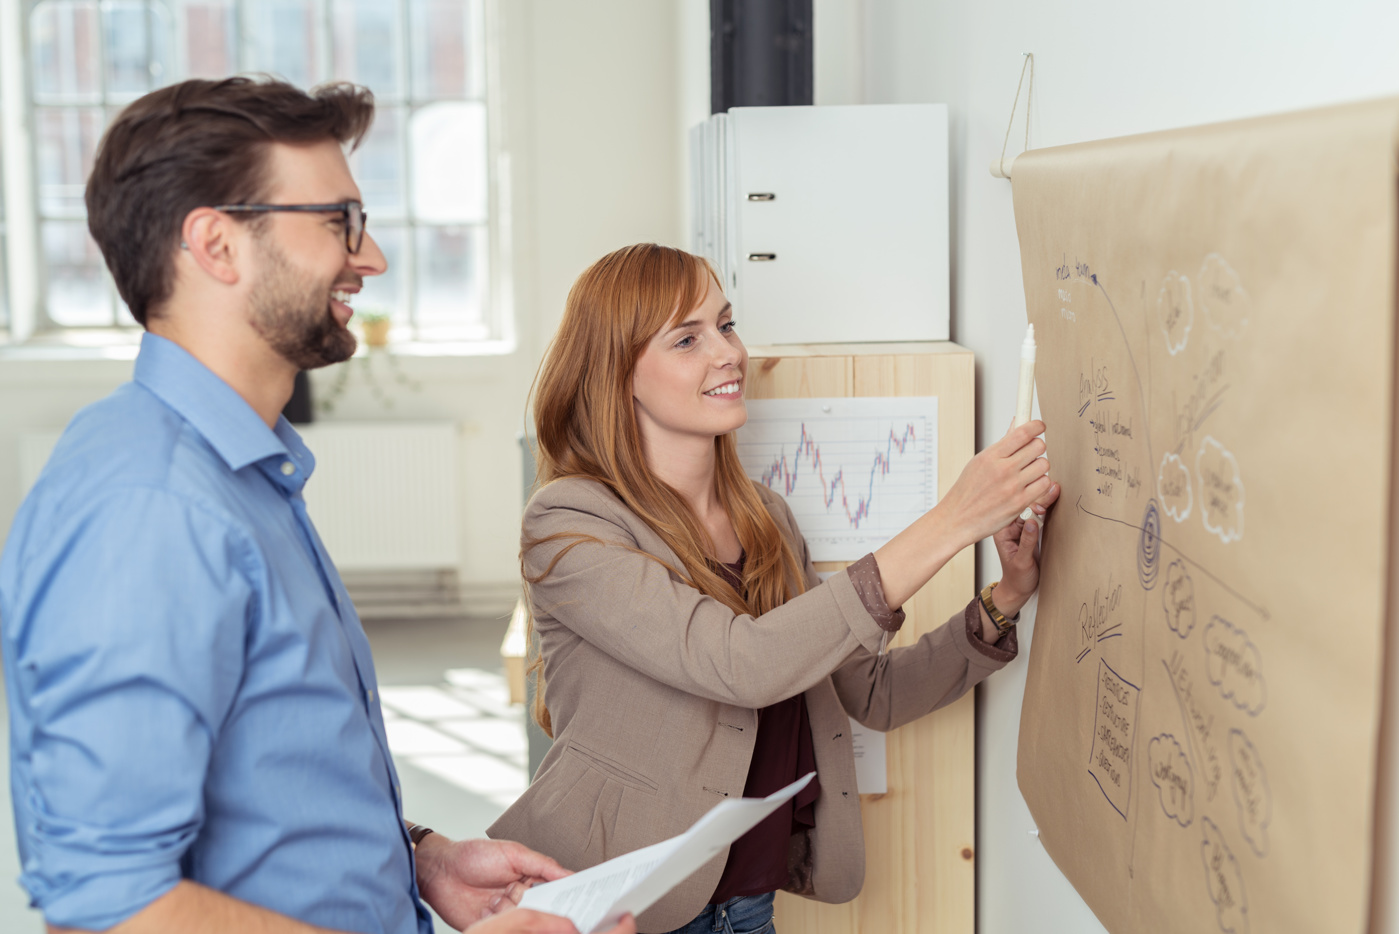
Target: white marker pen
<point x="1025" y="401"/>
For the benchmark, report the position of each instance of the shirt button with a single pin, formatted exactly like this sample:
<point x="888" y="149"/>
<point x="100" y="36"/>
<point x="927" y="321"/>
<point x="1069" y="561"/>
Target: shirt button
<point x="288" y="468"/>
<point x="370" y="693"/>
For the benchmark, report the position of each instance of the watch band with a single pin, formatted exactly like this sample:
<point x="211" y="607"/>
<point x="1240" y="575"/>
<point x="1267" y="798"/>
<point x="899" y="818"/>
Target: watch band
<point x="1002" y="623"/>
<point x="416" y="832"/>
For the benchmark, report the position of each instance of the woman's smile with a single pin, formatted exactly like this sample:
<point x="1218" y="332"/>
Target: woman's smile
<point x="729" y="391"/>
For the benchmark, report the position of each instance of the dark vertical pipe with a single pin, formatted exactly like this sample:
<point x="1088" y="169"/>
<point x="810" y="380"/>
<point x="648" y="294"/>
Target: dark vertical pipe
<point x="760" y="53"/>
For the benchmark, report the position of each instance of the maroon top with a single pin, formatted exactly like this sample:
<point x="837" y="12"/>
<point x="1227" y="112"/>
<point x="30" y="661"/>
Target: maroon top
<point x="782" y="753"/>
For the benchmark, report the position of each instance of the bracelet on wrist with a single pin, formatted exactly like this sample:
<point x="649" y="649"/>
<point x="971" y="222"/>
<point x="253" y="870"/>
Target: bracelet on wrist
<point x="1003" y="624"/>
<point x="416" y="832"/>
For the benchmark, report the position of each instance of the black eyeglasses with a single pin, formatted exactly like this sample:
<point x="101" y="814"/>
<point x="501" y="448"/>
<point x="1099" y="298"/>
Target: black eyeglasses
<point x="352" y="211"/>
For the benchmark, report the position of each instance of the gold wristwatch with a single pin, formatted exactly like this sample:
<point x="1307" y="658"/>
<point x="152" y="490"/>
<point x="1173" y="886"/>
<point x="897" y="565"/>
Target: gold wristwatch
<point x="1002" y="624"/>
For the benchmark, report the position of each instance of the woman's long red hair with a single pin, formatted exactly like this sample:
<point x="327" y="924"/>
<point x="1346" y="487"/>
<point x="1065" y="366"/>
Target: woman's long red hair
<point x="585" y="425"/>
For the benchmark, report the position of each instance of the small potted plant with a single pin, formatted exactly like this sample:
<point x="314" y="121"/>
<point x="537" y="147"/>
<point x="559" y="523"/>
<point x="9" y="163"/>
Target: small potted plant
<point x="374" y="325"/>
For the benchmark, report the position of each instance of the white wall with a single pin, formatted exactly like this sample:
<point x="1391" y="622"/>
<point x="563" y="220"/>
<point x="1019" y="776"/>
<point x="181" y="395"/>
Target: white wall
<point x="592" y="126"/>
<point x="1103" y="68"/>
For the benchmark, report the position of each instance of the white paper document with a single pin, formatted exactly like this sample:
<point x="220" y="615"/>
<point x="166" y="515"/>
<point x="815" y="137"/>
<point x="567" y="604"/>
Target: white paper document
<point x="596" y="898"/>
<point x="871" y="759"/>
<point x="869" y="746"/>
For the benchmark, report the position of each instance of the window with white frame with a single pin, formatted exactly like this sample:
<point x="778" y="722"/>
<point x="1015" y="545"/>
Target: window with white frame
<point x="423" y="167"/>
<point x="4" y="242"/>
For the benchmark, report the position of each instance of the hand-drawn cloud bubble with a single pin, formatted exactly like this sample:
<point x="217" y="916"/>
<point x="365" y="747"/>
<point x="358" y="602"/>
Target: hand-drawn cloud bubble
<point x="1178" y="597"/>
<point x="1225" y="881"/>
<point x="1226" y="305"/>
<point x="1176" y="311"/>
<point x="1173" y="487"/>
<point x="1173" y="778"/>
<point x="1251" y="792"/>
<point x="1221" y="491"/>
<point x="1235" y="666"/>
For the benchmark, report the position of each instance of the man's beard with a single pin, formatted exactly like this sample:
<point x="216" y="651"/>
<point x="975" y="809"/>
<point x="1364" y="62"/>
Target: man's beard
<point x="292" y="313"/>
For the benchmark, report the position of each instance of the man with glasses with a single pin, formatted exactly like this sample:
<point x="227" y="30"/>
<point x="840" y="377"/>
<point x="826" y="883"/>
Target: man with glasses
<point x="196" y="737"/>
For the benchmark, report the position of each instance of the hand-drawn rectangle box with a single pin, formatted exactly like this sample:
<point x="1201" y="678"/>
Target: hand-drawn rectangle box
<point x="1114" y="729"/>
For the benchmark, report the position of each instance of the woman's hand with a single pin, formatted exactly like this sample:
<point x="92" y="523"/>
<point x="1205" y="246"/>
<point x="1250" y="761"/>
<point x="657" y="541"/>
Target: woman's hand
<point x="1018" y="547"/>
<point x="996" y="485"/>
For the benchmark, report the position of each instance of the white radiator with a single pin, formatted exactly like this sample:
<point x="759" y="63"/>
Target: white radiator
<point x="384" y="494"/>
<point x="384" y="498"/>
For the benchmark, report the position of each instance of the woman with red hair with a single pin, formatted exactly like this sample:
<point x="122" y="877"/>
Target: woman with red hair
<point x="685" y="649"/>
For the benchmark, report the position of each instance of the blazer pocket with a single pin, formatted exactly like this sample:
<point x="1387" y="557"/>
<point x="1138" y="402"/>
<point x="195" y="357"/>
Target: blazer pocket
<point x="611" y="768"/>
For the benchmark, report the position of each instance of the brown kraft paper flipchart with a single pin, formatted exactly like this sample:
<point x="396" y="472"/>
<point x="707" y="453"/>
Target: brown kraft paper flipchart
<point x="1214" y="309"/>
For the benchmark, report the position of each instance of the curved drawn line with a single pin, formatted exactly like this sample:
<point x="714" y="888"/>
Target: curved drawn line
<point x="1105" y="794"/>
<point x="1260" y="610"/>
<point x="1120" y="678"/>
<point x="1184" y="717"/>
<point x="1214" y="403"/>
<point x="1113" y="636"/>
<point x="1146" y="415"/>
<point x="1082" y="655"/>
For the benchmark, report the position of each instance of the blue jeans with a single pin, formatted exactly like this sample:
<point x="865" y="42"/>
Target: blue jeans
<point x="747" y="914"/>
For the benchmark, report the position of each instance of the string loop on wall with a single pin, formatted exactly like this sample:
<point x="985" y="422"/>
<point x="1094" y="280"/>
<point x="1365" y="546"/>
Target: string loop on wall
<point x="998" y="166"/>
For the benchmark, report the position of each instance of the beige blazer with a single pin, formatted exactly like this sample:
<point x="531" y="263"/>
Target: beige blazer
<point x="654" y="688"/>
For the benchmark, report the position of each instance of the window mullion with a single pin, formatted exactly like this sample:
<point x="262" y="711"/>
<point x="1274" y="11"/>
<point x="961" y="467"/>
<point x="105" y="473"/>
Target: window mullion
<point x="21" y="199"/>
<point x="500" y="315"/>
<point x="410" y="225"/>
<point x="245" y="36"/>
<point x="106" y="105"/>
<point x="325" y="67"/>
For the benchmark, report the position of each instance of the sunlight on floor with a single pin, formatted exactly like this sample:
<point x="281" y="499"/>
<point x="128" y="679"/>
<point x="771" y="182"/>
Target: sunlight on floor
<point x="464" y="731"/>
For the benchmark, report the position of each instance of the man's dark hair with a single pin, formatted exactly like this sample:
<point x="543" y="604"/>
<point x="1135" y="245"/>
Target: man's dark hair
<point x="196" y="144"/>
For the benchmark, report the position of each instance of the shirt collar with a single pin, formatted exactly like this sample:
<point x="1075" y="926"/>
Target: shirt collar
<point x="213" y="407"/>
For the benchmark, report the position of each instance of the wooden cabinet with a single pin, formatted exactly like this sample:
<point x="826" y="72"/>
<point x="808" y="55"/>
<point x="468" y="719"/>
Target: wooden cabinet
<point x="920" y="875"/>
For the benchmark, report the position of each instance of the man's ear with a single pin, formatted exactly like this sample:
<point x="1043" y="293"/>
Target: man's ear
<point x="211" y="240"/>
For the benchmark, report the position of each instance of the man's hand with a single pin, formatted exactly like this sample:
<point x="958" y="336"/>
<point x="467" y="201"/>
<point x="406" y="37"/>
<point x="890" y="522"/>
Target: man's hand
<point x="524" y="921"/>
<point x="468" y="880"/>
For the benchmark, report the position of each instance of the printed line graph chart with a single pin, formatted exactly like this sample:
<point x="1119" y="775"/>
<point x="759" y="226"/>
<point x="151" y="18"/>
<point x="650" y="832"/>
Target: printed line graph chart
<point x="856" y="472"/>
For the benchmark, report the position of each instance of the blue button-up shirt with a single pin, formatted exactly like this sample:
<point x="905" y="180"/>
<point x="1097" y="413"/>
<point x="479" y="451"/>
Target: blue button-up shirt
<point x="191" y="692"/>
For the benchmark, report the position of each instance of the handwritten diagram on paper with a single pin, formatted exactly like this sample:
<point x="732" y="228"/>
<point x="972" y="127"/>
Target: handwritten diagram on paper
<point x="856" y="472"/>
<point x="1197" y="755"/>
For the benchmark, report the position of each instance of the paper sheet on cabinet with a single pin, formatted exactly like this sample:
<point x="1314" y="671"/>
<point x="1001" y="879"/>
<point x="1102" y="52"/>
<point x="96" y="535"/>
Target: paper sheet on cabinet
<point x="870" y="748"/>
<point x="596" y="898"/>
